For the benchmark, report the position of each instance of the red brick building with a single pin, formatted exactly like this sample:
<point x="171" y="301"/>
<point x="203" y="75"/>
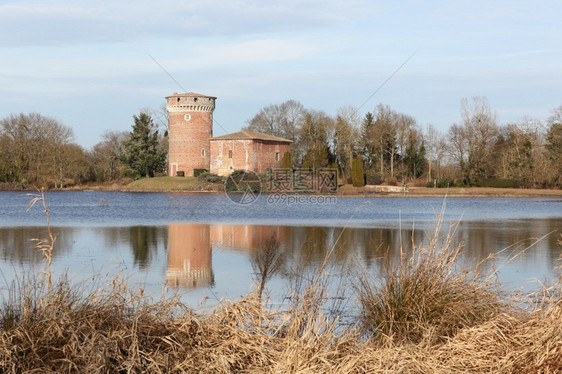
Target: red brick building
<point x="190" y="126"/>
<point x="192" y="146"/>
<point x="247" y="150"/>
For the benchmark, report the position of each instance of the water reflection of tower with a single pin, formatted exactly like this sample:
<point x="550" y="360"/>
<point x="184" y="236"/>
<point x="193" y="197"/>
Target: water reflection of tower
<point x="189" y="256"/>
<point x="245" y="237"/>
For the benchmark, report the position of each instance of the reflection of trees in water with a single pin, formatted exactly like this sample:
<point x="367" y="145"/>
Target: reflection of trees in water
<point x="513" y="239"/>
<point x="144" y="241"/>
<point x="17" y="245"/>
<point x="308" y="246"/>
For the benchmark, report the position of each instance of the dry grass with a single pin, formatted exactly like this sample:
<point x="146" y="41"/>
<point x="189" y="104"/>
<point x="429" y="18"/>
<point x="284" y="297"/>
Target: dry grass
<point x="166" y="184"/>
<point x="426" y="295"/>
<point x="112" y="330"/>
<point x="425" y="316"/>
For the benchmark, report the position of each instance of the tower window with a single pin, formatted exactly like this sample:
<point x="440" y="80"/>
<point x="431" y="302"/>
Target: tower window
<point x="178" y="99"/>
<point x="202" y="152"/>
<point x="187" y="117"/>
<point x="230" y="153"/>
<point x="276" y="156"/>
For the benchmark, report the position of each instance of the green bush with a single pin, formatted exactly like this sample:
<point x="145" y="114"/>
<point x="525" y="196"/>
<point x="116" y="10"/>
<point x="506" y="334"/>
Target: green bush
<point x="242" y="181"/>
<point x="499" y="183"/>
<point x="373" y="178"/>
<point x="444" y="183"/>
<point x="197" y="172"/>
<point x="357" y="172"/>
<point x="209" y="177"/>
<point x="287" y="161"/>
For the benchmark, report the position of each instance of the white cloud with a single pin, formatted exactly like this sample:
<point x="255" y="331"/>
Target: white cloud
<point x="31" y="22"/>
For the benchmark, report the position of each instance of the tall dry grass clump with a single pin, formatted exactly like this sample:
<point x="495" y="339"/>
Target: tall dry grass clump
<point x="426" y="294"/>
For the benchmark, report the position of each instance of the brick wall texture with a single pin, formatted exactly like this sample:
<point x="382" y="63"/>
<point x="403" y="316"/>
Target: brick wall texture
<point x="247" y="154"/>
<point x="189" y="146"/>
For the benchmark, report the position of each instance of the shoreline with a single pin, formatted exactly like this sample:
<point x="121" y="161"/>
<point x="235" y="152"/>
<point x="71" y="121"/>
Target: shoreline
<point x="346" y="191"/>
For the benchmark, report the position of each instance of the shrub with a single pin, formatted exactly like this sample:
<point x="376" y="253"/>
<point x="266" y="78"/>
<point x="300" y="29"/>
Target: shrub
<point x="499" y="183"/>
<point x="209" y="177"/>
<point x="444" y="183"/>
<point x="424" y="295"/>
<point x="373" y="178"/>
<point x="242" y="181"/>
<point x="357" y="172"/>
<point x="197" y="172"/>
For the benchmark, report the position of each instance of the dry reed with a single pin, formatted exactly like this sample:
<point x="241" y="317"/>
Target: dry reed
<point x="441" y="321"/>
<point x="116" y="330"/>
<point x="426" y="294"/>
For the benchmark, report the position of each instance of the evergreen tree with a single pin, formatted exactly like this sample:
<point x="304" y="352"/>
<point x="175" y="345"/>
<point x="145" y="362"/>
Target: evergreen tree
<point x="142" y="153"/>
<point x="415" y="159"/>
<point x="357" y="172"/>
<point x="367" y="139"/>
<point x="287" y="161"/>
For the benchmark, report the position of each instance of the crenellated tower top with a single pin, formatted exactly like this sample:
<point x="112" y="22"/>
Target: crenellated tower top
<point x="190" y="101"/>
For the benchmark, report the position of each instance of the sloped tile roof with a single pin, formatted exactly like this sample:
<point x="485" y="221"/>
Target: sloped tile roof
<point x="250" y="134"/>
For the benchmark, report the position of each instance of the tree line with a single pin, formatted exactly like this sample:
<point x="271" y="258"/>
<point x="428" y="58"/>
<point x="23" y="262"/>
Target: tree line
<point x="382" y="146"/>
<point x="39" y="151"/>
<point x="393" y="147"/>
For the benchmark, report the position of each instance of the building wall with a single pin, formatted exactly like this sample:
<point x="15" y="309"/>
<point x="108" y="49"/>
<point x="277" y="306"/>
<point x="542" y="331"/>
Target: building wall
<point x="189" y="256"/>
<point x="245" y="237"/>
<point x="268" y="154"/>
<point x="252" y="155"/>
<point x="222" y="164"/>
<point x="189" y="146"/>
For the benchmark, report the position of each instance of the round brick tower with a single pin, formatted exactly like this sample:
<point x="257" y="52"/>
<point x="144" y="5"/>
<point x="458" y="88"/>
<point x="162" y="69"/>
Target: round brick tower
<point x="190" y="127"/>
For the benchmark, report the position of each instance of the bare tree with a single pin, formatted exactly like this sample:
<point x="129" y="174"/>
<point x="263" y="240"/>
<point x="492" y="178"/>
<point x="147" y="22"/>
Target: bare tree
<point x="471" y="143"/>
<point x="33" y="149"/>
<point x="344" y="138"/>
<point x="280" y="120"/>
<point x="107" y="155"/>
<point x="313" y="139"/>
<point x="433" y="139"/>
<point x="291" y="112"/>
<point x="554" y="145"/>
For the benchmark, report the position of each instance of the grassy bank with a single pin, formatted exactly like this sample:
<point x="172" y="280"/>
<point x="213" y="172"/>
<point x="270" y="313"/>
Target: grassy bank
<point x="423" y="313"/>
<point x="172" y="184"/>
<point x="192" y="184"/>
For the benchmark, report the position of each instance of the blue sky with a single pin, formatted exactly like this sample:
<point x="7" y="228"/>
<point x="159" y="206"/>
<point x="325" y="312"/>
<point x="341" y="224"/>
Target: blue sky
<point x="87" y="63"/>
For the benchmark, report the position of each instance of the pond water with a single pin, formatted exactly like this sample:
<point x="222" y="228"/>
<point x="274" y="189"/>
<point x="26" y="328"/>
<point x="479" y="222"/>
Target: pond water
<point x="206" y="246"/>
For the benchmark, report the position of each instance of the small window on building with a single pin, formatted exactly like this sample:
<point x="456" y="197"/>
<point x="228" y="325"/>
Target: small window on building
<point x="276" y="156"/>
<point x="230" y="153"/>
<point x="178" y="99"/>
<point x="194" y="99"/>
<point x="202" y="152"/>
<point x="187" y="117"/>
